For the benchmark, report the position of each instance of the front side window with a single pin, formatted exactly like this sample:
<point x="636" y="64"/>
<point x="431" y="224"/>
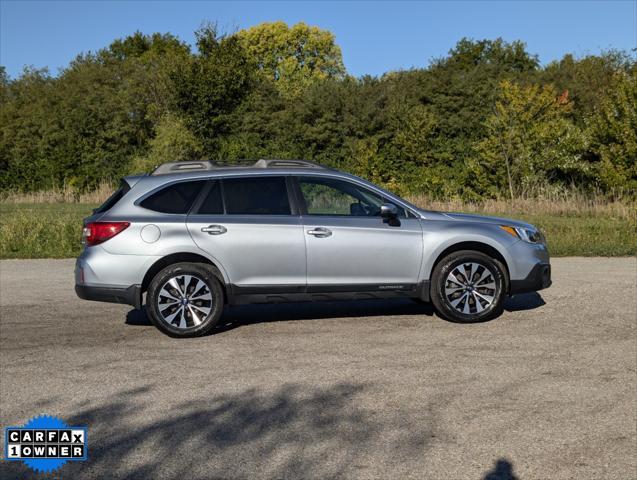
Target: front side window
<point x="256" y="196"/>
<point x="331" y="196"/>
<point x="176" y="198"/>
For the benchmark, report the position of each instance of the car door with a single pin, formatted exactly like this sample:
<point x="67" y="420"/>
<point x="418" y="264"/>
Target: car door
<point x="248" y="225"/>
<point x="349" y="246"/>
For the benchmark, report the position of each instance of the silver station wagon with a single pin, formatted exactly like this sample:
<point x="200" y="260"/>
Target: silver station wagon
<point x="192" y="237"/>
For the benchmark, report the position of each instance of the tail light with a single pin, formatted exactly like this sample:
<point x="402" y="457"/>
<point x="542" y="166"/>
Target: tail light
<point x="95" y="233"/>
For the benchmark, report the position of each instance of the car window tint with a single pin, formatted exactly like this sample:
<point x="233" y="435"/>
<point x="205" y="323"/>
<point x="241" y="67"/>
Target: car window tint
<point x="114" y="198"/>
<point x="175" y="198"/>
<point x="256" y="196"/>
<point x="329" y="196"/>
<point x="212" y="204"/>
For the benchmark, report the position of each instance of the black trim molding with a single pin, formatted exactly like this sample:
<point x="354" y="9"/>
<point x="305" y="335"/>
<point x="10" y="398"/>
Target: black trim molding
<point x="538" y="278"/>
<point x="129" y="296"/>
<point x="329" y="288"/>
<point x="390" y="287"/>
<point x="310" y="293"/>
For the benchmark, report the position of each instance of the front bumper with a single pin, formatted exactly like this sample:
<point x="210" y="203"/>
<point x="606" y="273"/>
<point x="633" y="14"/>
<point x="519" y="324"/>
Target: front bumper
<point x="538" y="278"/>
<point x="129" y="296"/>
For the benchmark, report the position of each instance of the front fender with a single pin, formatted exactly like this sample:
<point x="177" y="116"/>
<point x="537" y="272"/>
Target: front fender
<point x="440" y="236"/>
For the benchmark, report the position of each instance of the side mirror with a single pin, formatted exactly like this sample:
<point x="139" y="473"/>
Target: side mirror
<point x="389" y="211"/>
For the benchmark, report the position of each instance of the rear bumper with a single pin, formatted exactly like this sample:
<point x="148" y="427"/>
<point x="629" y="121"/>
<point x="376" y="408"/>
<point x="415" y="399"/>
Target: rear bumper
<point x="129" y="296"/>
<point x="538" y="278"/>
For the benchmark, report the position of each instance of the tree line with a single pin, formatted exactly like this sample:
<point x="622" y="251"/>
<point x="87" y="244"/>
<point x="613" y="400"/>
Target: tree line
<point x="487" y="120"/>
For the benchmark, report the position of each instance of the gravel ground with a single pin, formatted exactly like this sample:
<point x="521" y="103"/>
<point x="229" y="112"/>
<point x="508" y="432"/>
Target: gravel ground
<point x="376" y="389"/>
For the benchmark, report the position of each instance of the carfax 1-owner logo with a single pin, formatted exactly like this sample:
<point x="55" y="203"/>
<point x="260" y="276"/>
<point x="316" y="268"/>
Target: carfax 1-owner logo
<point x="45" y="443"/>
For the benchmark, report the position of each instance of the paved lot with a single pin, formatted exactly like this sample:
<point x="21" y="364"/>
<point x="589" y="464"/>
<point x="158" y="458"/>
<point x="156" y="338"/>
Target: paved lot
<point x="378" y="389"/>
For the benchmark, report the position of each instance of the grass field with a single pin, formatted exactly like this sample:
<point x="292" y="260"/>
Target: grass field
<point x="41" y="230"/>
<point x="53" y="230"/>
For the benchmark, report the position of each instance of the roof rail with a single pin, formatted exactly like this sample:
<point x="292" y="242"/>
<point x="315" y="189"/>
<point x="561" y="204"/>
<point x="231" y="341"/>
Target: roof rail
<point x="176" y="167"/>
<point x="203" y="165"/>
<point x="286" y="163"/>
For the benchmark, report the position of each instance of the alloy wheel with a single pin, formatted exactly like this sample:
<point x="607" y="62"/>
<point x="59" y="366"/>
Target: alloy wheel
<point x="470" y="288"/>
<point x="184" y="301"/>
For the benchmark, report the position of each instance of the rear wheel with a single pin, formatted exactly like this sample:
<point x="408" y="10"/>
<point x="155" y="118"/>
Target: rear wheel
<point x="468" y="286"/>
<point x="185" y="300"/>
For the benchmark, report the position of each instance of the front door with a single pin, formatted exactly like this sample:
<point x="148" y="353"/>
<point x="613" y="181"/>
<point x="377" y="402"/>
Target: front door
<point x="247" y="225"/>
<point x="349" y="246"/>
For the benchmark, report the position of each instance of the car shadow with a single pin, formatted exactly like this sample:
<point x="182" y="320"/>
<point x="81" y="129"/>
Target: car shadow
<point x="238" y="315"/>
<point x="138" y="318"/>
<point x="241" y="315"/>
<point x="273" y="312"/>
<point x="524" y="301"/>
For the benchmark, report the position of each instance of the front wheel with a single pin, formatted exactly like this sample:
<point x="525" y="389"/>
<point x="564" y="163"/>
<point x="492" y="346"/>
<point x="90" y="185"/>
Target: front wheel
<point x="185" y="300"/>
<point x="468" y="286"/>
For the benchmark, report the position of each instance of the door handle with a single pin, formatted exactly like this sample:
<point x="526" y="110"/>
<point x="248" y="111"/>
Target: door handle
<point x="320" y="232"/>
<point x="214" y="229"/>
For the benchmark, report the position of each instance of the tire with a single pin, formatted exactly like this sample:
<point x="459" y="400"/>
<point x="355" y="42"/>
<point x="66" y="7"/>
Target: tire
<point x="468" y="286"/>
<point x="185" y="300"/>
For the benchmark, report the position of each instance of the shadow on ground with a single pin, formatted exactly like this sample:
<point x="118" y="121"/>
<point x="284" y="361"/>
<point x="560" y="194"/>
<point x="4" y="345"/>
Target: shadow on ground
<point x="294" y="431"/>
<point x="524" y="301"/>
<point x="502" y="470"/>
<point x="237" y="316"/>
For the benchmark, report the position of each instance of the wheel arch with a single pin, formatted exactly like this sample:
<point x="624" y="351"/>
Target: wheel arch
<point x="479" y="247"/>
<point x="180" y="257"/>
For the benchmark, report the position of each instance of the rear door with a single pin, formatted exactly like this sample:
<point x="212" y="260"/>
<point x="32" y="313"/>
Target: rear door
<point x="249" y="226"/>
<point x="349" y="246"/>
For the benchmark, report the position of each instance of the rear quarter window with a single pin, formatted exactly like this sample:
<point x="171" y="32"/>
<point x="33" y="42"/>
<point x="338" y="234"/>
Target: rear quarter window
<point x="175" y="199"/>
<point x="114" y="198"/>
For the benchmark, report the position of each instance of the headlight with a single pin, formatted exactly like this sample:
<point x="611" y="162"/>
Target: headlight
<point x="529" y="235"/>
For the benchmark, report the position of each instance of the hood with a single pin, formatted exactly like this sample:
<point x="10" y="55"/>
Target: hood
<point x="466" y="217"/>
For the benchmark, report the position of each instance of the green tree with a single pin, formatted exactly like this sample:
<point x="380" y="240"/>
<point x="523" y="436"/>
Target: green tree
<point x="79" y="128"/>
<point x="468" y="54"/>
<point x="27" y="131"/>
<point x="4" y="85"/>
<point x="530" y="139"/>
<point x="154" y="61"/>
<point x="588" y="79"/>
<point x="483" y="120"/>
<point x="212" y="85"/>
<point x="294" y="57"/>
<point x="613" y="132"/>
<point x="172" y="142"/>
<point x="460" y="90"/>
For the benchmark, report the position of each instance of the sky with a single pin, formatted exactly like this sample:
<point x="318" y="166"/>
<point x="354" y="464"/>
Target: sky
<point x="375" y="36"/>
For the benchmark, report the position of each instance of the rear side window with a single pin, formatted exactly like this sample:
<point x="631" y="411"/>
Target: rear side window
<point x="176" y="198"/>
<point x="114" y="198"/>
<point x="256" y="196"/>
